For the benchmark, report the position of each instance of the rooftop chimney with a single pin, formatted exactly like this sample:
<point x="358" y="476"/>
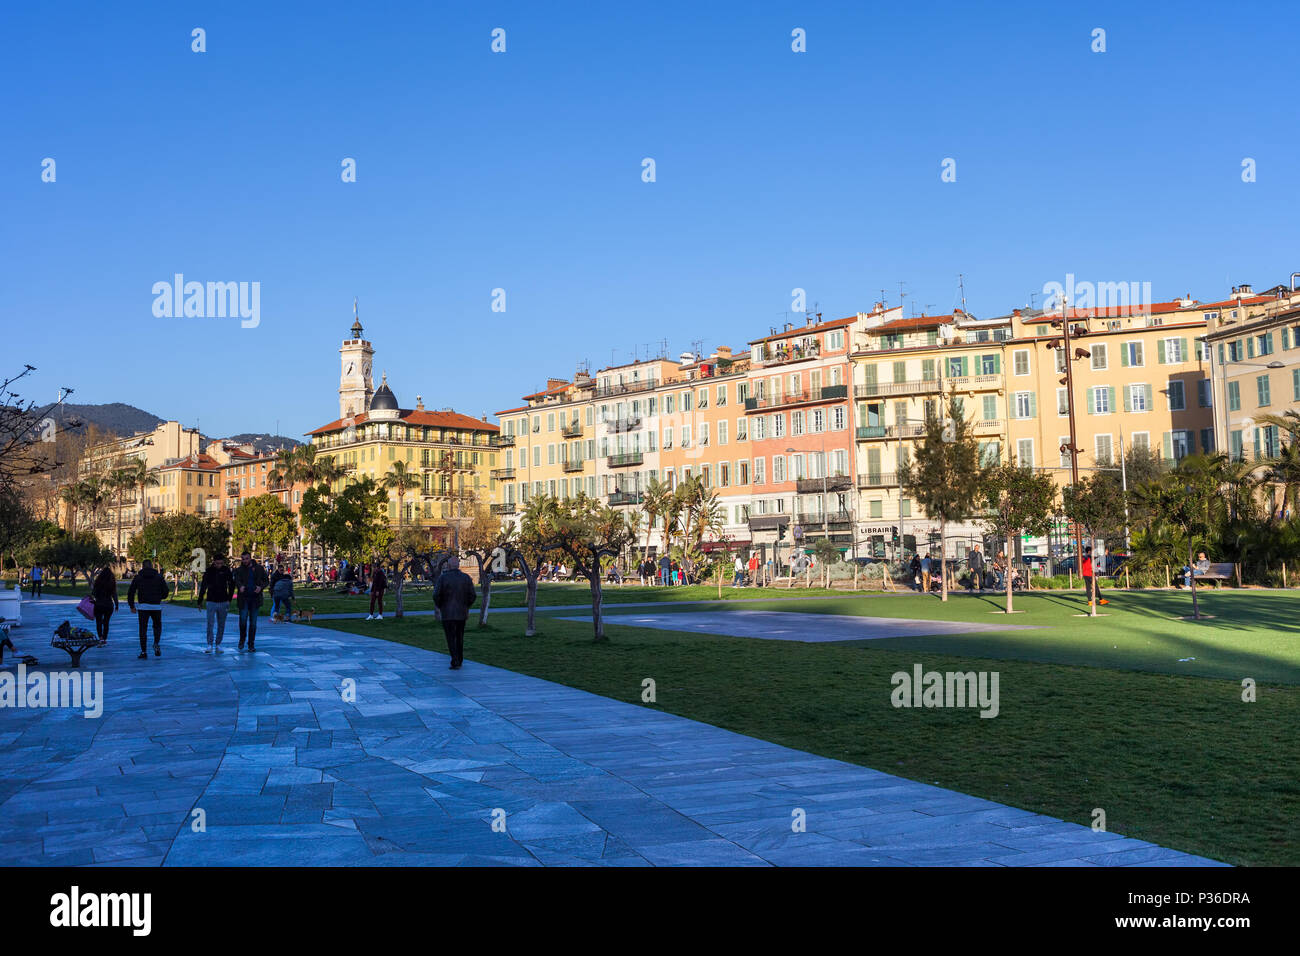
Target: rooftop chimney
<point x="419" y="403"/>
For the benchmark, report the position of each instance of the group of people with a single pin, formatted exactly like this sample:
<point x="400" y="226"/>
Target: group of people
<point x="247" y="585"/>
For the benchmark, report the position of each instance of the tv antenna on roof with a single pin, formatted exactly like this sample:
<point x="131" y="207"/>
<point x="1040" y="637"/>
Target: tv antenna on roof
<point x="961" y="285"/>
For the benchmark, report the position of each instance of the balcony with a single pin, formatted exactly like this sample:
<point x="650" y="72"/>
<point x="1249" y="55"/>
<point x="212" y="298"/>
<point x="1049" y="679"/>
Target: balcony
<point x="767" y="522"/>
<point x="503" y="474"/>
<point x="830" y="393"/>
<point x="868" y="432"/>
<point x="608" y="391"/>
<point x="808" y="521"/>
<point x="926" y="386"/>
<point x="815" y="486"/>
<point x="508" y="508"/>
<point x="504" y="440"/>
<point x="572" y="464"/>
<point x="878" y="479"/>
<point x="572" y="430"/>
<point x="795" y="352"/>
<point x="624" y="424"/>
<point x="624" y="459"/>
<point x="625" y="498"/>
<point x="995" y="427"/>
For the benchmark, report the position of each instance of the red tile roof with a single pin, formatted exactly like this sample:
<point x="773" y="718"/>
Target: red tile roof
<point x="799" y="330"/>
<point x="409" y="416"/>
<point x="202" y="461"/>
<point x="914" y="324"/>
<point x="1232" y="303"/>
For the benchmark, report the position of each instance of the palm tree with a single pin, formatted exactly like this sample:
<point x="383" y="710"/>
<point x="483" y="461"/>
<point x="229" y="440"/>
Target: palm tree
<point x="142" y="479"/>
<point x="94" y="492"/>
<point x="400" y="479"/>
<point x="654" y="504"/>
<point x="71" y="496"/>
<point x="1284" y="470"/>
<point x="120" y="480"/>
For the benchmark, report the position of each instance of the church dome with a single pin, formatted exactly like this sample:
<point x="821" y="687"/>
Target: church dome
<point x="384" y="401"/>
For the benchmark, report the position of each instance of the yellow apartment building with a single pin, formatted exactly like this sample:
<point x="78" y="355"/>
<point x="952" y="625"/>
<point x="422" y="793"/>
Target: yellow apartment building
<point x="1254" y="347"/>
<point x="904" y="371"/>
<point x="452" y="455"/>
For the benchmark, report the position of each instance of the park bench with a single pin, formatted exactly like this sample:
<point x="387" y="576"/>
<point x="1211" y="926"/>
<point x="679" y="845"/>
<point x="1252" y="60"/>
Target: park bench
<point x="1217" y="573"/>
<point x="76" y="641"/>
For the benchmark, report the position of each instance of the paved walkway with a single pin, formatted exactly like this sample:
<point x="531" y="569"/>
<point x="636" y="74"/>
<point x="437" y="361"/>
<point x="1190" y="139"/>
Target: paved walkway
<point x="286" y="772"/>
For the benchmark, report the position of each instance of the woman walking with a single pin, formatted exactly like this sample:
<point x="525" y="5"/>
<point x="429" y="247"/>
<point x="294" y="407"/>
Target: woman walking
<point x="104" y="594"/>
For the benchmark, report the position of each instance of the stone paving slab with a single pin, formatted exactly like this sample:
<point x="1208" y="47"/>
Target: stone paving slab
<point x="420" y="766"/>
<point x="793" y="626"/>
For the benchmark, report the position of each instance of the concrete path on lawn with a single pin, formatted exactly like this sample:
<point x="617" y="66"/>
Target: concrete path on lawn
<point x="793" y="626"/>
<point x="416" y="770"/>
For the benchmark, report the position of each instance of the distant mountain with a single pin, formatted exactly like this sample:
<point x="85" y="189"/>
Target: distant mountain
<point x="122" y="419"/>
<point x="264" y="442"/>
<point x="115" y="417"/>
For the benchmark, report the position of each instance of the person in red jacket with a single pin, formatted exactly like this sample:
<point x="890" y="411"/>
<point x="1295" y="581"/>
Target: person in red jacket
<point x="1089" y="581"/>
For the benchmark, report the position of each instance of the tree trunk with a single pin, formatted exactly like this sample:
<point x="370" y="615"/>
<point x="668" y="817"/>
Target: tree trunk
<point x="597" y="621"/>
<point x="1006" y="573"/>
<point x="401" y="605"/>
<point x="119" y="523"/>
<point x="485" y="586"/>
<point x="943" y="560"/>
<point x="531" y="581"/>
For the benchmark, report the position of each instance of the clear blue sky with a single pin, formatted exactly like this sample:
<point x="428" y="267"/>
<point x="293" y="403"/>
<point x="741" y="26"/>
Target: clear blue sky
<point x="522" y="170"/>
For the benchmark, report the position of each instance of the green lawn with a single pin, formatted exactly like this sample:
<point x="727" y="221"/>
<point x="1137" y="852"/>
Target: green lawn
<point x="1094" y="713"/>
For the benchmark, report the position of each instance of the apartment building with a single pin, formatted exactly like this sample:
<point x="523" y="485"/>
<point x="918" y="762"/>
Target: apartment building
<point x="1253" y="345"/>
<point x="800" y="434"/>
<point x="452" y="455"/>
<point x="904" y="370"/>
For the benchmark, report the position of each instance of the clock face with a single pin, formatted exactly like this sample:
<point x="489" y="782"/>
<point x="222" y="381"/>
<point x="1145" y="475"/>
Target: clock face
<point x="365" y="369"/>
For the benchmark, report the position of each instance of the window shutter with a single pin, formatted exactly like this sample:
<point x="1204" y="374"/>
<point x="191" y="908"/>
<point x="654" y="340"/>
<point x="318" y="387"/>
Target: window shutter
<point x="871" y="375"/>
<point x="1169" y="445"/>
<point x="1033" y="405"/>
<point x="1110" y="398"/>
<point x="1220" y="353"/>
<point x="1286" y="338"/>
<point x="1150" y="398"/>
<point x="1250" y="346"/>
<point x="1123" y="355"/>
<point x="997" y="364"/>
<point x="1090" y="402"/>
<point x="965" y="366"/>
<point x="1257" y="430"/>
<point x="1128" y="402"/>
<point x="1187" y="352"/>
<point x="1160" y="351"/>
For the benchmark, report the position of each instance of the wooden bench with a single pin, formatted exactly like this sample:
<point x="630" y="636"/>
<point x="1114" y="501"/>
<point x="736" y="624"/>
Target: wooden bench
<point x="1217" y="573"/>
<point x="76" y="641"/>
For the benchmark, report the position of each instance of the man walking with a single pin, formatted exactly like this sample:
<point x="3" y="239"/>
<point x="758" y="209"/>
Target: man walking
<point x="37" y="577"/>
<point x="665" y="570"/>
<point x="152" y="589"/>
<point x="975" y="562"/>
<point x="738" y="579"/>
<point x="250" y="582"/>
<point x="927" y="564"/>
<point x="378" y="585"/>
<point x="218" y="587"/>
<point x="454" y="595"/>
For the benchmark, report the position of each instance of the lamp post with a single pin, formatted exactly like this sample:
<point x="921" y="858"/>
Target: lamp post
<point x="1063" y="345"/>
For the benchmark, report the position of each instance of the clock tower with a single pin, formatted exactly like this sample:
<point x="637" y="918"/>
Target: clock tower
<point x="356" y="387"/>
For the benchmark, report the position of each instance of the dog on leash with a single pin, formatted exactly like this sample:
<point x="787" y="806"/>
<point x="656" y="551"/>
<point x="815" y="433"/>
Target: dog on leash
<point x="304" y="614"/>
